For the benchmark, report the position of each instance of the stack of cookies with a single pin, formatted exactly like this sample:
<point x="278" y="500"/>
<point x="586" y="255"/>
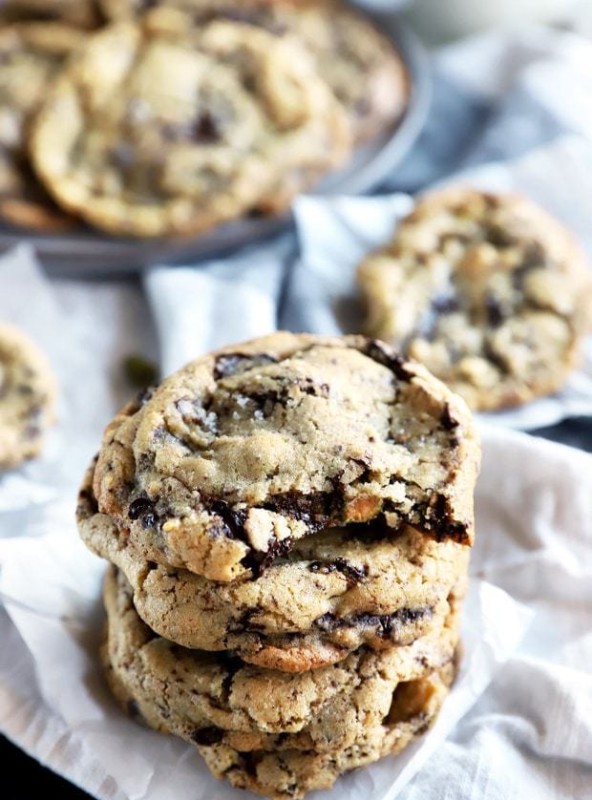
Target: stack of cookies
<point x="174" y="120"/>
<point x="289" y="524"/>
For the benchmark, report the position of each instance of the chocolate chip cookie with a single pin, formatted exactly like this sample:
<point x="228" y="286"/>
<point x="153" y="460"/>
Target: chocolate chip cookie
<point x="31" y="54"/>
<point x="340" y="716"/>
<point x="27" y="397"/>
<point x="358" y="63"/>
<point x="231" y="460"/>
<point x="333" y="592"/>
<point x="150" y="133"/>
<point x="488" y="291"/>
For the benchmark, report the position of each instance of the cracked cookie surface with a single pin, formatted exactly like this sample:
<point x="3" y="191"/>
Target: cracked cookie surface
<point x="232" y="459"/>
<point x="31" y="54"/>
<point x="27" y="397"/>
<point x="488" y="291"/>
<point x="292" y="773"/>
<point x="78" y="13"/>
<point x="333" y="592"/>
<point x="149" y="133"/>
<point x="218" y="700"/>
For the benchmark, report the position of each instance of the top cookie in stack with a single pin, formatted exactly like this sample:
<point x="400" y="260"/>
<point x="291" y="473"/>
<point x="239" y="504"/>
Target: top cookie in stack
<point x="293" y="505"/>
<point x="176" y="119"/>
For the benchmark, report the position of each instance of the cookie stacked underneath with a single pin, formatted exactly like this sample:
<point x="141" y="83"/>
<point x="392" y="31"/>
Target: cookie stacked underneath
<point x="289" y="524"/>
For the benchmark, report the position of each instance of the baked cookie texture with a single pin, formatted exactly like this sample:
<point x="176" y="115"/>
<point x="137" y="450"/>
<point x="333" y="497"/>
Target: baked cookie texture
<point x="359" y="64"/>
<point x="31" y="54"/>
<point x="288" y="523"/>
<point x="277" y="734"/>
<point x="487" y="290"/>
<point x="230" y="461"/>
<point x="27" y="397"/>
<point x="150" y="132"/>
<point x="333" y="592"/>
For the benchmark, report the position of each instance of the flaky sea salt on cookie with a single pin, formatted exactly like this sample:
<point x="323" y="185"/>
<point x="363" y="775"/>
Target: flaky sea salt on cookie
<point x="232" y="459"/>
<point x="488" y="291"/>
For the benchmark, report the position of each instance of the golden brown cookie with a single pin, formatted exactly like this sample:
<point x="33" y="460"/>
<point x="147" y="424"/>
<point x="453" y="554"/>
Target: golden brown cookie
<point x="333" y="592"/>
<point x="231" y="460"/>
<point x="31" y="54"/>
<point x="154" y="133"/>
<point x="359" y="64"/>
<point x="487" y="290"/>
<point x="27" y="397"/>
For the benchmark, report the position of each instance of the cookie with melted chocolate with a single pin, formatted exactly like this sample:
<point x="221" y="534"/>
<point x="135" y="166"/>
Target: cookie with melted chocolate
<point x="233" y="459"/>
<point x="155" y="132"/>
<point x="487" y="290"/>
<point x="278" y="734"/>
<point x="27" y="397"/>
<point x="324" y="597"/>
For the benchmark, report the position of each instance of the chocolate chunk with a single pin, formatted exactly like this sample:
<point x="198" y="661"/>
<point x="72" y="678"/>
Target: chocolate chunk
<point x="532" y="258"/>
<point x="258" y="562"/>
<point x="383" y="354"/>
<point x="448" y="420"/>
<point x="316" y="510"/>
<point x="277" y="548"/>
<point x="499" y="236"/>
<point x="286" y="395"/>
<point x="206" y="129"/>
<point x="140" y="399"/>
<point x="251" y="761"/>
<point x="207" y="736"/>
<point x="495" y="358"/>
<point x="437" y="519"/>
<point x="233" y="519"/>
<point x="87" y="500"/>
<point x="143" y="508"/>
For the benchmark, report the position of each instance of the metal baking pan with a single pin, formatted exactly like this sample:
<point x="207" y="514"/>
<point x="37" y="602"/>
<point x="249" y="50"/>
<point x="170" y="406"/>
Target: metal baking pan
<point x="91" y="253"/>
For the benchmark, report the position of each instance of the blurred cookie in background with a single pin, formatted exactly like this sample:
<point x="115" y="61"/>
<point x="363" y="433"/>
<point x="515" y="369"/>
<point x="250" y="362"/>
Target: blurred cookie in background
<point x="147" y="132"/>
<point x="359" y="64"/>
<point x="31" y="54"/>
<point x="78" y="13"/>
<point x="487" y="290"/>
<point x="27" y="397"/>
